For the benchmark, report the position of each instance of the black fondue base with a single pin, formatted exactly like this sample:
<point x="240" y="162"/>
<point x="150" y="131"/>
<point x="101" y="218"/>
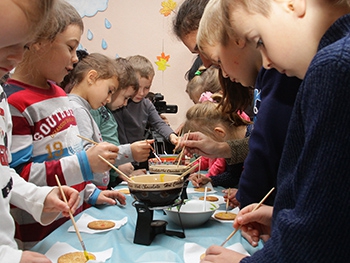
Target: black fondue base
<point x="156" y="198"/>
<point x="147" y="228"/>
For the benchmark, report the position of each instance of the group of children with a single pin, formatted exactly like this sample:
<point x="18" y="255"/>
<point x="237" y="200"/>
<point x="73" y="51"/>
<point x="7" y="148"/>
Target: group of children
<point x="295" y="145"/>
<point x="21" y="20"/>
<point x="48" y="125"/>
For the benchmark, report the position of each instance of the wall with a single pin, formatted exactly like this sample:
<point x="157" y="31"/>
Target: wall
<point x="129" y="27"/>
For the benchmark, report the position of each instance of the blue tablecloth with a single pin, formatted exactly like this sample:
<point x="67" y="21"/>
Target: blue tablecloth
<point x="163" y="248"/>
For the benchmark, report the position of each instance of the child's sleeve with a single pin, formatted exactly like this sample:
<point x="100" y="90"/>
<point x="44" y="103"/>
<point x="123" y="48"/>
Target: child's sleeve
<point x="217" y="166"/>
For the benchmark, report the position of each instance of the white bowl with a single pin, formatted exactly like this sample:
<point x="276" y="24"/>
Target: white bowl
<point x="192" y="213"/>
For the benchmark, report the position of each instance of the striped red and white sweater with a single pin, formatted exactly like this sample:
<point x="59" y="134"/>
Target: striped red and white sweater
<point x="45" y="143"/>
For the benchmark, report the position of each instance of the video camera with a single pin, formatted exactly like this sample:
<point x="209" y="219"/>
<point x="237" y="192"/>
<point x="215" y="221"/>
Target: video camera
<point x="161" y="106"/>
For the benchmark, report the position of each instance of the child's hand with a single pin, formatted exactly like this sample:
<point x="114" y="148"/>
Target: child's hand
<point x="54" y="201"/>
<point x="173" y="138"/>
<point x="219" y="254"/>
<point x="106" y="150"/>
<point x="255" y="224"/>
<point x="233" y="202"/>
<point x="138" y="172"/>
<point x="141" y="149"/>
<point x="110" y="197"/>
<point x="33" y="257"/>
<point x="199" y="180"/>
<point x="126" y="168"/>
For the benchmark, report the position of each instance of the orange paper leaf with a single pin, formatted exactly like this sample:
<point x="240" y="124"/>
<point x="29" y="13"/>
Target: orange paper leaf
<point x="163" y="56"/>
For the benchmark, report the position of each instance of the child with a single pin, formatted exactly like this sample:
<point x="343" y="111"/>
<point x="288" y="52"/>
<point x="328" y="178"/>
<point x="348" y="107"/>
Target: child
<point x="241" y="62"/>
<point x="205" y="80"/>
<point x="133" y="118"/>
<point x="201" y="88"/>
<point x="185" y="27"/>
<point x="127" y="86"/>
<point x="309" y="39"/>
<point x="95" y="78"/>
<point x="208" y="118"/>
<point x="20" y="22"/>
<point x="44" y="128"/>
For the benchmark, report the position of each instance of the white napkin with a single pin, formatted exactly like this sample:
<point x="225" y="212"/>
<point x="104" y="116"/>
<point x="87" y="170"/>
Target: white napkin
<point x="193" y="251"/>
<point x="235" y="210"/>
<point x="85" y="219"/>
<point x="60" y="248"/>
<point x="191" y="190"/>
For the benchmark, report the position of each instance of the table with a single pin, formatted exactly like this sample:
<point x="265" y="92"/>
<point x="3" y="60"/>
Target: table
<point x="163" y="248"/>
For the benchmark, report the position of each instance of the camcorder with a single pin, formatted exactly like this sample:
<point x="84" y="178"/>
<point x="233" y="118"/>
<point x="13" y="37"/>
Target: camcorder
<point x="161" y="106"/>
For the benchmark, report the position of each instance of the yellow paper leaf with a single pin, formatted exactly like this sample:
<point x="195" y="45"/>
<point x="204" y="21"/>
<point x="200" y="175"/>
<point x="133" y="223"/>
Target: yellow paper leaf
<point x="167" y="7"/>
<point x="162" y="64"/>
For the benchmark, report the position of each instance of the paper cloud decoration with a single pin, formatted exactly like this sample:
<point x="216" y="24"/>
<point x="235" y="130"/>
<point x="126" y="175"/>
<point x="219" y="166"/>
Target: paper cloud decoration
<point x="89" y="8"/>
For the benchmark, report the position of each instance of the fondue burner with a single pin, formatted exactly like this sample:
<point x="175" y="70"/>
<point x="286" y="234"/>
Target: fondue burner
<point x="147" y="228"/>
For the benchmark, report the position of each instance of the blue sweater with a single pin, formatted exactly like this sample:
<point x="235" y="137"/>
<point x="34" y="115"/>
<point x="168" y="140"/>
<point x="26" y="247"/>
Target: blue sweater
<point x="311" y="219"/>
<point x="266" y="141"/>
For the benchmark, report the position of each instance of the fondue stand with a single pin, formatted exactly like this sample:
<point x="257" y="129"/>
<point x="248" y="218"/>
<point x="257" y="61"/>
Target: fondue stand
<point x="147" y="228"/>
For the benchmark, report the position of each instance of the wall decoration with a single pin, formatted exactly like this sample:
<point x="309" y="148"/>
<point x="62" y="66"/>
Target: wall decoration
<point x="89" y="35"/>
<point x="162" y="61"/>
<point x="167" y="7"/>
<point x="89" y="8"/>
<point x="129" y="27"/>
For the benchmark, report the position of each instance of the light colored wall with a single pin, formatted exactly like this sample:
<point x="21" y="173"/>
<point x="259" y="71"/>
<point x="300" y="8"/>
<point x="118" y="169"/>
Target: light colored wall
<point x="138" y="27"/>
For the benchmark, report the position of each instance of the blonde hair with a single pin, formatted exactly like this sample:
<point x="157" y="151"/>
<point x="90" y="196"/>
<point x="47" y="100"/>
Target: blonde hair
<point x="126" y="74"/>
<point x="142" y="66"/>
<point x="36" y="12"/>
<point x="104" y="66"/>
<point x="205" y="116"/>
<point x="62" y="16"/>
<point x="204" y="80"/>
<point x="259" y="7"/>
<point x="211" y="30"/>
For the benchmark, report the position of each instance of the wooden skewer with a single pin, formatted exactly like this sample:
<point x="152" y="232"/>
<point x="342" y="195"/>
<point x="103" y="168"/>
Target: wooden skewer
<point x="154" y="152"/>
<point x="183" y="149"/>
<point x="257" y="206"/>
<point x="188" y="165"/>
<point x="72" y="218"/>
<point x="87" y="139"/>
<point x="227" y="201"/>
<point x="188" y="171"/>
<point x="127" y="178"/>
<point x="176" y="147"/>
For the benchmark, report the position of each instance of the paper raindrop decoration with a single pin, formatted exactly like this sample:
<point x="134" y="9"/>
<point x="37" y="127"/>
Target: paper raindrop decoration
<point x="90" y="36"/>
<point x="107" y="24"/>
<point x="104" y="44"/>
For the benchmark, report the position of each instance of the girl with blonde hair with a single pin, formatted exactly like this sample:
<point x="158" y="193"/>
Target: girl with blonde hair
<point x="208" y="118"/>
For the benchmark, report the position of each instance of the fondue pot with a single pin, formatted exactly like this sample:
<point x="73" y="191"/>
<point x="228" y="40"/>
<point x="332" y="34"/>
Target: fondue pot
<point x="167" y="168"/>
<point x="156" y="190"/>
<point x="152" y="192"/>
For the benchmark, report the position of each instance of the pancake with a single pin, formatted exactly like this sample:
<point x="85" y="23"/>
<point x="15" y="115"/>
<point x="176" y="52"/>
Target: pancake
<point x="101" y="224"/>
<point x="74" y="257"/>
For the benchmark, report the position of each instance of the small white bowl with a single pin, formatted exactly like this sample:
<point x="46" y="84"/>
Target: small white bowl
<point x="192" y="213"/>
